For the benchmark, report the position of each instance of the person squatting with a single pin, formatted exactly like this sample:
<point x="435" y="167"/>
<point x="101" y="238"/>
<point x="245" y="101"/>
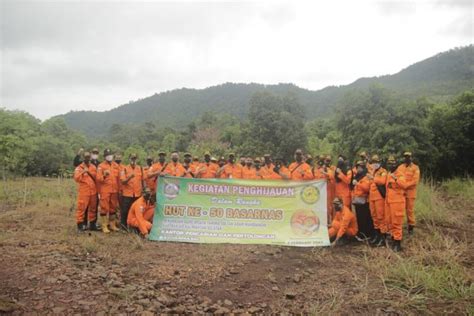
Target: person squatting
<point x="366" y="202"/>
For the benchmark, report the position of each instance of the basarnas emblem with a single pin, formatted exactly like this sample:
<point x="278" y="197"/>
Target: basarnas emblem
<point x="171" y="190"/>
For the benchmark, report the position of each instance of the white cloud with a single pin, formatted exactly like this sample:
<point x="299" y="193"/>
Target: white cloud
<point x="61" y="56"/>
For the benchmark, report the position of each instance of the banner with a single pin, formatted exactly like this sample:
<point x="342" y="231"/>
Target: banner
<point x="240" y="211"/>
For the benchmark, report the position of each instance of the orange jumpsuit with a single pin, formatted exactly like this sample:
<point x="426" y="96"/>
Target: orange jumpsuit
<point x="327" y="174"/>
<point x="87" y="192"/>
<point x="249" y="173"/>
<point x="232" y="171"/>
<point x="344" y="223"/>
<point x="141" y="215"/>
<point x="300" y="171"/>
<point x="412" y="177"/>
<point x="395" y="203"/>
<point x="108" y="178"/>
<point x="175" y="169"/>
<point x="342" y="189"/>
<point x="377" y="201"/>
<point x="266" y="172"/>
<point x="207" y="170"/>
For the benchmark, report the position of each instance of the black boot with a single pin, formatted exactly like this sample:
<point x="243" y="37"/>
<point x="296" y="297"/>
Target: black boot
<point x="381" y="241"/>
<point x="397" y="246"/>
<point x="411" y="230"/>
<point x="376" y="237"/>
<point x="93" y="226"/>
<point x="81" y="228"/>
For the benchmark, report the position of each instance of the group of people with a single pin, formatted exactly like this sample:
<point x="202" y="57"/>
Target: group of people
<point x="365" y="202"/>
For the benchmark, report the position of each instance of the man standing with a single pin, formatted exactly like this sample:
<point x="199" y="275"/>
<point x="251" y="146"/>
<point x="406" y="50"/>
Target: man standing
<point x="108" y="178"/>
<point x="156" y="169"/>
<point x="190" y="168"/>
<point x="85" y="176"/>
<point x="377" y="178"/>
<point x="343" y="176"/>
<point x="230" y="169"/>
<point x="300" y="170"/>
<point x="149" y="183"/>
<point x="208" y="168"/>
<point x="175" y="168"/>
<point x="131" y="177"/>
<point x="412" y="177"/>
<point x="249" y="171"/>
<point x="395" y="201"/>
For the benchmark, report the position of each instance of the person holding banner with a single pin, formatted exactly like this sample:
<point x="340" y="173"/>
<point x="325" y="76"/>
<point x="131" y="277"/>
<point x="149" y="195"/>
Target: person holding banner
<point x="300" y="170"/>
<point x="344" y="224"/>
<point x="141" y="213"/>
<point x="189" y="167"/>
<point x="270" y="171"/>
<point x="230" y="169"/>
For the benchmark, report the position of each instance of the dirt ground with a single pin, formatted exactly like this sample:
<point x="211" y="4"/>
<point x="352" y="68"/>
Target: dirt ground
<point x="48" y="268"/>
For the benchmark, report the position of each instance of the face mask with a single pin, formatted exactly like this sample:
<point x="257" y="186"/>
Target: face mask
<point x="408" y="161"/>
<point x="94" y="156"/>
<point x="299" y="158"/>
<point x="338" y="207"/>
<point x="257" y="165"/>
<point x="118" y="161"/>
<point x="133" y="161"/>
<point x="249" y="164"/>
<point x="221" y="164"/>
<point x="162" y="160"/>
<point x="327" y="163"/>
<point x="147" y="196"/>
<point x="207" y="159"/>
<point x="309" y="161"/>
<point x="375" y="165"/>
<point x="87" y="160"/>
<point x="360" y="170"/>
<point x="109" y="158"/>
<point x="175" y="159"/>
<point x="267" y="161"/>
<point x="187" y="160"/>
<point x="231" y="160"/>
<point x="392" y="167"/>
<point x="149" y="162"/>
<point x="321" y="163"/>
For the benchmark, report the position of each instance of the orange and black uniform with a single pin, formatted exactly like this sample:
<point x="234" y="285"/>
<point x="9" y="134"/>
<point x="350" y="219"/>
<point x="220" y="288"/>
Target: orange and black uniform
<point x="360" y="194"/>
<point x="207" y="170"/>
<point x="131" y="190"/>
<point x="231" y="170"/>
<point x="108" y="179"/>
<point x="377" y="201"/>
<point x="411" y="173"/>
<point x="300" y="171"/>
<point x="395" y="202"/>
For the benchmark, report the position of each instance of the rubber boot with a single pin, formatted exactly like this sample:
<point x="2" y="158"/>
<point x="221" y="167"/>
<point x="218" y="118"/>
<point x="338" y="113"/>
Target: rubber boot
<point x="113" y="223"/>
<point x="411" y="230"/>
<point x="93" y="225"/>
<point x="104" y="222"/>
<point x="381" y="241"/>
<point x="397" y="246"/>
<point x="376" y="237"/>
<point x="80" y="228"/>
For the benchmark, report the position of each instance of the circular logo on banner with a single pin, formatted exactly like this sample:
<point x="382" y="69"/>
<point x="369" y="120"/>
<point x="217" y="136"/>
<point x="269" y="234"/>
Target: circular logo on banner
<point x="310" y="194"/>
<point x="304" y="222"/>
<point x="171" y="190"/>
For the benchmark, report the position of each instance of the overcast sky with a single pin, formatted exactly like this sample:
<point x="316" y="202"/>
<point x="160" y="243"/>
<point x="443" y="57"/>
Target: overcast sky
<point x="59" y="56"/>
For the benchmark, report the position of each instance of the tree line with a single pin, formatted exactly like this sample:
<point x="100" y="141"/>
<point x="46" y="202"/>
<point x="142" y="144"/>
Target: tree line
<point x="375" y="120"/>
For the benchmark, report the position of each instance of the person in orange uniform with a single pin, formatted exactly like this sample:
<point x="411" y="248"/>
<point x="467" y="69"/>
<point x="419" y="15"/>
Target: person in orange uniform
<point x="321" y="172"/>
<point x="208" y="168"/>
<point x="377" y="178"/>
<point x="141" y="213"/>
<point x="360" y="193"/>
<point x="149" y="182"/>
<point x="175" y="168"/>
<point x="249" y="171"/>
<point x="300" y="170"/>
<point x="132" y="180"/>
<point x="395" y="201"/>
<point x="108" y="178"/>
<point x="331" y="189"/>
<point x="230" y="169"/>
<point x="85" y="176"/>
<point x="270" y="171"/>
<point x="190" y="168"/>
<point x="118" y="161"/>
<point x="412" y="177"/>
<point x="342" y="178"/>
<point x="344" y="223"/>
<point x="157" y="169"/>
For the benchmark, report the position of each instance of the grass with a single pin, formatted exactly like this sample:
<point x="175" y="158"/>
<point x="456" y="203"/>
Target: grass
<point x="461" y="188"/>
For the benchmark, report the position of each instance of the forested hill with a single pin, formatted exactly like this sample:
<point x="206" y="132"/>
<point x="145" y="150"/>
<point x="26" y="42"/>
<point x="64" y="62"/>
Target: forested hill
<point x="438" y="78"/>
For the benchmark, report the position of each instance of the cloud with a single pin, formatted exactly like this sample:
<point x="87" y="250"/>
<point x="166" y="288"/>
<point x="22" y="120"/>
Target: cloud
<point x="60" y="56"/>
